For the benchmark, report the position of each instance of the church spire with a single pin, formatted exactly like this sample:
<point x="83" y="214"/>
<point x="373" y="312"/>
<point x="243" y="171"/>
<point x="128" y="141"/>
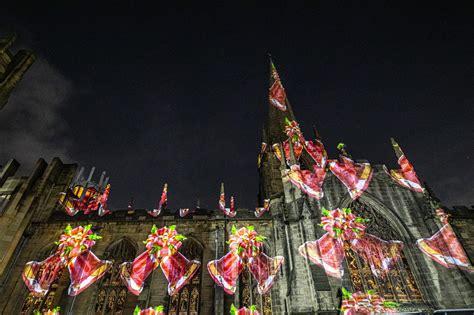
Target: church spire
<point x="396" y="148"/>
<point x="279" y="110"/>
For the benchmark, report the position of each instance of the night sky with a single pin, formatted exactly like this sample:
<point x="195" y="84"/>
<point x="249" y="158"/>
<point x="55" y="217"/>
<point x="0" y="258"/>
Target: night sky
<point x="153" y="94"/>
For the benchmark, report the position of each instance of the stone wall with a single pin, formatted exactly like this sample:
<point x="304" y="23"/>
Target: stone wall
<point x="211" y="231"/>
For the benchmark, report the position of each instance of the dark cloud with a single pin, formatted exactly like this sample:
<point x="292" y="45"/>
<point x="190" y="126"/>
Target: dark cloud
<point x="31" y="124"/>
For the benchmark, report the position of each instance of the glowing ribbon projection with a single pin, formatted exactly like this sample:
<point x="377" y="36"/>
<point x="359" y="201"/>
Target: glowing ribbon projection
<point x="163" y="201"/>
<point x="276" y="93"/>
<point x="341" y="225"/>
<point x="245" y="251"/>
<point x="252" y="310"/>
<point x="73" y="252"/>
<point x="230" y="212"/>
<point x="260" y="155"/>
<point x="308" y="182"/>
<point x="406" y="176"/>
<point x="162" y="247"/>
<point x="444" y="247"/>
<point x="259" y="211"/>
<point x="159" y="310"/>
<point x="316" y="150"/>
<point x="292" y="130"/>
<point x="355" y="176"/>
<point x="85" y="199"/>
<point x="54" y="311"/>
<point x="183" y="212"/>
<point x="365" y="303"/>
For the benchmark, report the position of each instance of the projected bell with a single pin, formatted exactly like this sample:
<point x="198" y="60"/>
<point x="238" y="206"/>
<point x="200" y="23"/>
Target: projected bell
<point x="38" y="276"/>
<point x="226" y="271"/>
<point x="134" y="273"/>
<point x="84" y="270"/>
<point x="178" y="271"/>
<point x="264" y="269"/>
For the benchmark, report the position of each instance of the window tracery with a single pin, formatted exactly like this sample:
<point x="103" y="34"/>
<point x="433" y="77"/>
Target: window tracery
<point x="249" y="294"/>
<point x="112" y="294"/>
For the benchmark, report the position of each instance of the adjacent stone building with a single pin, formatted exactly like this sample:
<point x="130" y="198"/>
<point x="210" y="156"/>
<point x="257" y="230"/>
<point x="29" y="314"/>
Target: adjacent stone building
<point x="31" y="220"/>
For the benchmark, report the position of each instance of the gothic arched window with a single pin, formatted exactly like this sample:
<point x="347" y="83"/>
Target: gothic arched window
<point x="399" y="285"/>
<point x="112" y="295"/>
<point x="187" y="301"/>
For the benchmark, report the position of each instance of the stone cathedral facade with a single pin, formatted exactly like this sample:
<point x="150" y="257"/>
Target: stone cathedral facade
<point x="31" y="221"/>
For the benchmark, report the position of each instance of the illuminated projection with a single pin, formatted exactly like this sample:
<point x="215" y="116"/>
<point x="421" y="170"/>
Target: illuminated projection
<point x="310" y="182"/>
<point x="159" y="310"/>
<point x="365" y="303"/>
<point x="406" y="176"/>
<point x="252" y="310"/>
<point x="54" y="311"/>
<point x="162" y="203"/>
<point x="276" y="94"/>
<point x="230" y="212"/>
<point x="444" y="247"/>
<point x="245" y="251"/>
<point x="259" y="211"/>
<point x="355" y="176"/>
<point x="162" y="247"/>
<point x="260" y="155"/>
<point x="342" y="228"/>
<point x="73" y="252"/>
<point x="86" y="195"/>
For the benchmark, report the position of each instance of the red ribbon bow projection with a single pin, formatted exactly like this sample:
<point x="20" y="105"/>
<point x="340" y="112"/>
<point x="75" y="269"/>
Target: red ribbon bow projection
<point x="252" y="310"/>
<point x="444" y="247"/>
<point x="74" y="252"/>
<point x="406" y="176"/>
<point x="365" y="303"/>
<point x="316" y="150"/>
<point x="162" y="247"/>
<point x="344" y="226"/>
<point x="245" y="250"/>
<point x="276" y="94"/>
<point x="162" y="203"/>
<point x="355" y="176"/>
<point x="310" y="182"/>
<point x="230" y="212"/>
<point x="295" y="135"/>
<point x="259" y="211"/>
<point x="87" y="200"/>
<point x="159" y="310"/>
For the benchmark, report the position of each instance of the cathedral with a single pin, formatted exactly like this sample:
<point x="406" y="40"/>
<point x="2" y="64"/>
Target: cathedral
<point x="395" y="239"/>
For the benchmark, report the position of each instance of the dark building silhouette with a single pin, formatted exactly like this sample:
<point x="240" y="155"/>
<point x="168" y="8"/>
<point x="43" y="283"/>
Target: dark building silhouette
<point x="12" y="67"/>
